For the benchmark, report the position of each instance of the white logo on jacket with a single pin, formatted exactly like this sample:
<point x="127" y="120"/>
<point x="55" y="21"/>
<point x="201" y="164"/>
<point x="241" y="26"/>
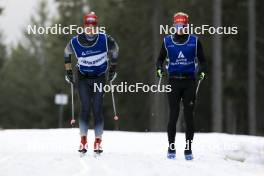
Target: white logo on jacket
<point x="181" y="55"/>
<point x="95" y="60"/>
<point x="89" y="52"/>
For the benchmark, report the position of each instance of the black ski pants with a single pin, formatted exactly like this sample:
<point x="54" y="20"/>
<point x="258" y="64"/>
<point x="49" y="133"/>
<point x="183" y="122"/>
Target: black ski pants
<point x="182" y="90"/>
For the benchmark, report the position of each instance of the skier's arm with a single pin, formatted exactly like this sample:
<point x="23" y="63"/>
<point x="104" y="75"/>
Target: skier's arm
<point x="160" y="60"/>
<point x="201" y="58"/>
<point x="67" y="57"/>
<point x="113" y="51"/>
<point x="67" y="63"/>
<point x="162" y="57"/>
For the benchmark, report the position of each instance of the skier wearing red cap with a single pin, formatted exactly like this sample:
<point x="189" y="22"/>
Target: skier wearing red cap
<point x="186" y="65"/>
<point x="96" y="55"/>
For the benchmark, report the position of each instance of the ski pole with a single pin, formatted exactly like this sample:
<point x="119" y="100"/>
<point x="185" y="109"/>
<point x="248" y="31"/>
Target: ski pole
<point x="72" y="105"/>
<point x="198" y="85"/>
<point x="113" y="101"/>
<point x="159" y="81"/>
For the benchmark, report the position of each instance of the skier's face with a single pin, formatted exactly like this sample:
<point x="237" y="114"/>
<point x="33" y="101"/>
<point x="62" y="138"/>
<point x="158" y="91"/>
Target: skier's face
<point x="90" y="29"/>
<point x="181" y="28"/>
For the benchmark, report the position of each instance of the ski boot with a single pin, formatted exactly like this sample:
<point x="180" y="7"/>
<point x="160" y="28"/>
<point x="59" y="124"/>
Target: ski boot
<point x="188" y="150"/>
<point x="84" y="145"/>
<point x="188" y="155"/>
<point x="171" y="154"/>
<point x="97" y="146"/>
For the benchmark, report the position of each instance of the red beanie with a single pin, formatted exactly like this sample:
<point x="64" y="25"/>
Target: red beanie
<point x="90" y="19"/>
<point x="181" y="18"/>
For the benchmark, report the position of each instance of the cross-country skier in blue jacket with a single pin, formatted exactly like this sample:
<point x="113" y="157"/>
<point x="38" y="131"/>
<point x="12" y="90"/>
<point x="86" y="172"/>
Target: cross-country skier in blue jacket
<point x="93" y="51"/>
<point x="184" y="53"/>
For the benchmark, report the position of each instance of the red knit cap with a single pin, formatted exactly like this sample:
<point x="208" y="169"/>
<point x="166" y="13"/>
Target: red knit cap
<point x="90" y="19"/>
<point x="181" y="18"/>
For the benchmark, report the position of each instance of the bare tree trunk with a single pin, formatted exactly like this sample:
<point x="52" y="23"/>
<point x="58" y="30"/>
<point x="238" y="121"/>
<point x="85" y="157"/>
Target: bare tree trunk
<point x="230" y="116"/>
<point x="158" y="100"/>
<point x="252" y="68"/>
<point x="217" y="70"/>
<point x="229" y="106"/>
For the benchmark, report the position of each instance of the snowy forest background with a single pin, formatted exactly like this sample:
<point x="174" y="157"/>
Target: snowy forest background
<point x="231" y="99"/>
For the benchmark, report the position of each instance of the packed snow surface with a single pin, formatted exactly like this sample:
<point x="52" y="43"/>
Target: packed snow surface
<point x="54" y="153"/>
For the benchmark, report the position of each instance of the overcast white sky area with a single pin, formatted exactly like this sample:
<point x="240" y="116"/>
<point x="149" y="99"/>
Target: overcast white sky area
<point x="16" y="17"/>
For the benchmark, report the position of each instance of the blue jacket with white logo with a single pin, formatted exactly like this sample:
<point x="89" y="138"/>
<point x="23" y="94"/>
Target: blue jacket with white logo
<point x="182" y="57"/>
<point x="92" y="60"/>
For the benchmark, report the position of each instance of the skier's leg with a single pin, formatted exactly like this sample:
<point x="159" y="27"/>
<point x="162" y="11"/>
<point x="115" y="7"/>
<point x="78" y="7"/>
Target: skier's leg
<point x="189" y="104"/>
<point x="98" y="110"/>
<point x="98" y="116"/>
<point x="174" y="103"/>
<point x="85" y="98"/>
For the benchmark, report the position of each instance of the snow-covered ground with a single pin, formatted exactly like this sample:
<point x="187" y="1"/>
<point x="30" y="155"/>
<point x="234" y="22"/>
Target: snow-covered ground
<point x="54" y="153"/>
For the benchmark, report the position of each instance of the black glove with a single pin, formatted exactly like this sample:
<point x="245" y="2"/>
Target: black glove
<point x="69" y="76"/>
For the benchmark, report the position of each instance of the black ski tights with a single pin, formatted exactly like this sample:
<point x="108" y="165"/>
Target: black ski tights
<point x="181" y="90"/>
